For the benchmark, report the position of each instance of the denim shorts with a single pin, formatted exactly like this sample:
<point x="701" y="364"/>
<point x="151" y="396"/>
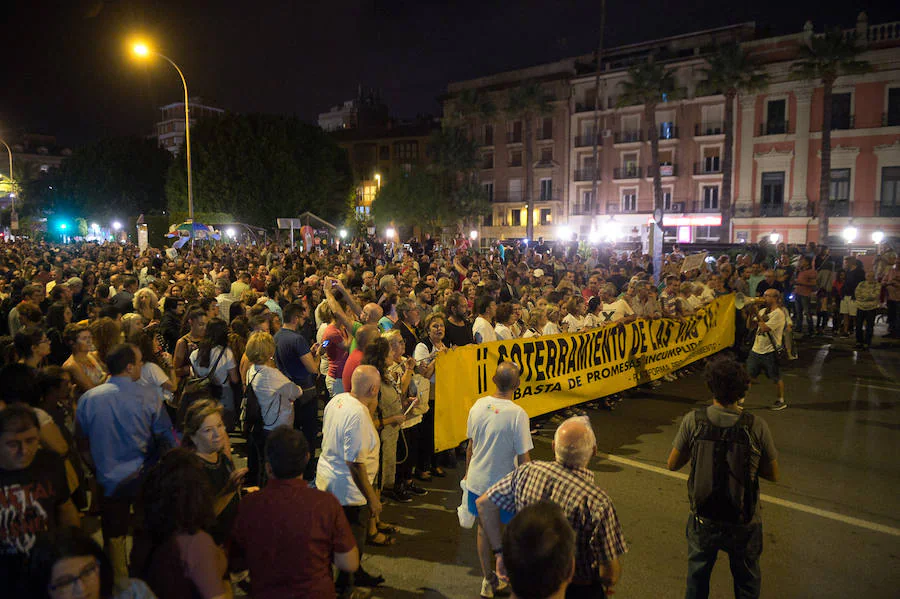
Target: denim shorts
<point x="767" y="363"/>
<point x="505" y="516"/>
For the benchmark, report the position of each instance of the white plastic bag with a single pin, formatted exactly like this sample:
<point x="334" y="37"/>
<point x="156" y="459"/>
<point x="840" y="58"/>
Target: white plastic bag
<point x="466" y="518"/>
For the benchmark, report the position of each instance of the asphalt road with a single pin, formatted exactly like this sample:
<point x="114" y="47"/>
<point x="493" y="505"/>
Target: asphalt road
<point x="831" y="526"/>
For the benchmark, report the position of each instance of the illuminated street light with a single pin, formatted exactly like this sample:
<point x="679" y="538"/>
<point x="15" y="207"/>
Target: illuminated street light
<point x="378" y="180"/>
<point x="230" y="232"/>
<point x="343" y="233"/>
<point x="594" y="236"/>
<point x="473" y="234"/>
<point x="95" y="227"/>
<point x="389" y="233"/>
<point x="774" y="237"/>
<point x="564" y="232"/>
<point x="117" y="226"/>
<point x="877" y="237"/>
<point x="62" y="226"/>
<point x="849" y="234"/>
<point x="142" y="50"/>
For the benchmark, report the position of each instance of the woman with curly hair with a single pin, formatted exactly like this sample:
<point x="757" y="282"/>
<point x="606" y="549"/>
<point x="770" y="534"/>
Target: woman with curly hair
<point x="87" y="372"/>
<point x="146" y="304"/>
<point x="107" y="334"/>
<point x="175" y="554"/>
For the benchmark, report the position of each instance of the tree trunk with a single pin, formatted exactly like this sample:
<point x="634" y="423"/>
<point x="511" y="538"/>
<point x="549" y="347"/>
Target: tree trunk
<point x="529" y="184"/>
<point x="725" y="204"/>
<point x="825" y="174"/>
<point x="653" y="132"/>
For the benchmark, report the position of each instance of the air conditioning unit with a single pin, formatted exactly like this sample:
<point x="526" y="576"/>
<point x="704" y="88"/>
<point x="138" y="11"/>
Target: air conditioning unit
<point x="607" y="133"/>
<point x="678" y="207"/>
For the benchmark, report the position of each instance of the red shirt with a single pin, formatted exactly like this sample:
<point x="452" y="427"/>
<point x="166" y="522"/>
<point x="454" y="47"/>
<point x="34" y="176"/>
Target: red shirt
<point x="354" y="360"/>
<point x="335" y="351"/>
<point x="287" y="534"/>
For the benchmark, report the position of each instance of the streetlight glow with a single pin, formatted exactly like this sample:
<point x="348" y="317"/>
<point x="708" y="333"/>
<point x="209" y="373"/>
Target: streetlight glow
<point x="564" y="232"/>
<point x="230" y="232"/>
<point x="140" y="49"/>
<point x="389" y="233"/>
<point x="343" y="233"/>
<point x="849" y="234"/>
<point x="877" y="237"/>
<point x="473" y="234"/>
<point x="774" y="237"/>
<point x="116" y="225"/>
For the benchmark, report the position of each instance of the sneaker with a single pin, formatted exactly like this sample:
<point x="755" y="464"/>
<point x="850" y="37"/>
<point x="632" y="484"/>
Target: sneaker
<point x="502" y="589"/>
<point x="415" y="489"/>
<point x="487" y="591"/>
<point x="399" y="494"/>
<point x="779" y="405"/>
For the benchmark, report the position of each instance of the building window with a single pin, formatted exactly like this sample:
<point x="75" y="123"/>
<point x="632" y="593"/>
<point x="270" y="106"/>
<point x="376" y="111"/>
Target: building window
<point x="772" y="203"/>
<point x="710" y="198"/>
<point x="839" y="194"/>
<point x="547" y="155"/>
<point x="629" y="200"/>
<point x="488" y="135"/>
<point x="776" y="117"/>
<point x="545" y="217"/>
<point x="890" y="191"/>
<point x="515" y="190"/>
<point x="487" y="160"/>
<point x="840" y="111"/>
<point x="545" y="128"/>
<point x="667" y="200"/>
<point x="515" y="158"/>
<point x="892" y="117"/>
<point x="587" y="200"/>
<point x="514" y="132"/>
<point x="488" y="191"/>
<point x="546" y="190"/>
<point x="384" y="152"/>
<point x="407" y="151"/>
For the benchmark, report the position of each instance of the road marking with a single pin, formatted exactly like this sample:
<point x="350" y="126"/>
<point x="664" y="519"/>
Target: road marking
<point x="854" y="382"/>
<point x="873" y="526"/>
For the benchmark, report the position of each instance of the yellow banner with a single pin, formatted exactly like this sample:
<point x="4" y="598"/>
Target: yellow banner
<point x="563" y="370"/>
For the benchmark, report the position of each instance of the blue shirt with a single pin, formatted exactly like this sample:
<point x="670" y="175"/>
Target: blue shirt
<point x="290" y="347"/>
<point x="124" y="422"/>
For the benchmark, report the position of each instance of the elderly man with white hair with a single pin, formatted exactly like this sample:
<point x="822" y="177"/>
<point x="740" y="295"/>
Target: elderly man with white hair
<point x="568" y="483"/>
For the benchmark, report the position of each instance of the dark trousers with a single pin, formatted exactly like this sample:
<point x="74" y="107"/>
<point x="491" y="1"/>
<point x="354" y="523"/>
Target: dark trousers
<point x="256" y="459"/>
<point x="893" y="317"/>
<point x="742" y="543"/>
<point x="803" y="306"/>
<point x="585" y="591"/>
<point x="358" y="517"/>
<point x="425" y="459"/>
<point x="306" y="420"/>
<point x="407" y="453"/>
<point x="866" y="317"/>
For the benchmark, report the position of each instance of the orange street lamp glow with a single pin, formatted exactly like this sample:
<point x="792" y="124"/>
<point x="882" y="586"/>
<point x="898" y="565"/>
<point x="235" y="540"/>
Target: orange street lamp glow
<point x="140" y="49"/>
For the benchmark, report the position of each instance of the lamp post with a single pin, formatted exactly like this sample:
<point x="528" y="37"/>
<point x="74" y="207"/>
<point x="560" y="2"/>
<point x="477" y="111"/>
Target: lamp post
<point x="143" y="50"/>
<point x="12" y="184"/>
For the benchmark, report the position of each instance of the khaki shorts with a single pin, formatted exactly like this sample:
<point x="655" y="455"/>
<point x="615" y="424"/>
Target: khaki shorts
<point x="848" y="306"/>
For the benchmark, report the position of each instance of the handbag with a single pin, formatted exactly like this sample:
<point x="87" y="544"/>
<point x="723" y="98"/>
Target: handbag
<point x="196" y="388"/>
<point x="780" y="352"/>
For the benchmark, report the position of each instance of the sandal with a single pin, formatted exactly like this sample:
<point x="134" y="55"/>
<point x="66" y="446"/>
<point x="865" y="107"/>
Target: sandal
<point x="424" y="476"/>
<point x="380" y="539"/>
<point x="438" y="472"/>
<point x="387" y="528"/>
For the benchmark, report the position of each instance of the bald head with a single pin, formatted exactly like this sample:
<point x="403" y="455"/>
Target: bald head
<point x="366" y="382"/>
<point x="365" y="334"/>
<point x="574" y="442"/>
<point x="371" y="313"/>
<point x="507" y="377"/>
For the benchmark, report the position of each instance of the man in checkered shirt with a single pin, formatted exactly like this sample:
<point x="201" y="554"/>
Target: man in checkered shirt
<point x="568" y="483"/>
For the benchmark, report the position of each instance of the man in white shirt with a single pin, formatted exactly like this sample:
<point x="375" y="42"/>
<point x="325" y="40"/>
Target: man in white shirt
<point x="348" y="462"/>
<point x="613" y="310"/>
<point x="224" y="299"/>
<point x="764" y="356"/>
<point x="482" y="330"/>
<point x="499" y="440"/>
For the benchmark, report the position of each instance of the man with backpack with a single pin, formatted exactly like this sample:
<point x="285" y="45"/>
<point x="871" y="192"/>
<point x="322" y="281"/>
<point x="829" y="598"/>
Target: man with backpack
<point x="729" y="449"/>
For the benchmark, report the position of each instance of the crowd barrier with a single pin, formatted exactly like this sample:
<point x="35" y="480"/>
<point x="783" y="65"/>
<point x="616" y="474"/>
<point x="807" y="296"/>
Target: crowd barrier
<point x="559" y="371"/>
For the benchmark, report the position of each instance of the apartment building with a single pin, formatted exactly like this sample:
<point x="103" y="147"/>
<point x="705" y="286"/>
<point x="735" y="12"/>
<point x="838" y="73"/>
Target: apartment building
<point x="502" y="142"/>
<point x="170" y="127"/>
<point x="776" y="155"/>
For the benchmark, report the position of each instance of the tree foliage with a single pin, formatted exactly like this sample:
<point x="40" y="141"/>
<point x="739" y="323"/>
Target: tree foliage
<point x="440" y="194"/>
<point x="262" y="167"/>
<point x="110" y="177"/>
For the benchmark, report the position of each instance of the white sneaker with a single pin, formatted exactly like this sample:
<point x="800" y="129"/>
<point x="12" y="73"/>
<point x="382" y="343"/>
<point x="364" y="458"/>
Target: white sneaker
<point x="487" y="591"/>
<point x="779" y="405"/>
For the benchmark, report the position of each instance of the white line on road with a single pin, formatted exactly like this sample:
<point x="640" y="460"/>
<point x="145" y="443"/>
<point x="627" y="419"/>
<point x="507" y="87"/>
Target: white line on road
<point x="874" y="526"/>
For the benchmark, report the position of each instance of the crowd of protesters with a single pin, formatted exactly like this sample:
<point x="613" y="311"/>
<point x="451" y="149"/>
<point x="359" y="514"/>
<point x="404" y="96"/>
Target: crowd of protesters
<point x="124" y="373"/>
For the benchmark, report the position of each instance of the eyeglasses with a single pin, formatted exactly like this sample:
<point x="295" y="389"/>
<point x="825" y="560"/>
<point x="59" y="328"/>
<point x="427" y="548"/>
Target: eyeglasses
<point x="65" y="584"/>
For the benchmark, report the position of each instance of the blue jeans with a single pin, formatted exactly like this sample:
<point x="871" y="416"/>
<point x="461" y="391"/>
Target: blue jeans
<point x="742" y="543"/>
<point x="802" y="303"/>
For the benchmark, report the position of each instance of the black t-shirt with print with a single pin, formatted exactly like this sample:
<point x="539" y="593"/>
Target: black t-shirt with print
<point x="29" y="500"/>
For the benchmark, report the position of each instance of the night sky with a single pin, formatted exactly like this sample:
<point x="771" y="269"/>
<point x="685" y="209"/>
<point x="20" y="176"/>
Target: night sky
<point x="66" y="71"/>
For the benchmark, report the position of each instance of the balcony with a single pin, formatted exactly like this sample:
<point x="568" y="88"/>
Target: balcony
<point x="891" y="210"/>
<point x="844" y="121"/>
<point x="776" y="128"/>
<point x="586" y="174"/>
<point x="769" y="210"/>
<point x="513" y="137"/>
<point x="514" y="162"/>
<point x="710" y="128"/>
<point x="584" y="107"/>
<point x="585" y="141"/>
<point x="699" y="206"/>
<point x="839" y="208"/>
<point x="890" y="120"/>
<point x="578" y="209"/>
<point x="628" y="172"/>
<point x="666" y="131"/>
<point x="627" y="137"/>
<point x="708" y="167"/>
<point x="620" y="208"/>
<point x="665" y="170"/>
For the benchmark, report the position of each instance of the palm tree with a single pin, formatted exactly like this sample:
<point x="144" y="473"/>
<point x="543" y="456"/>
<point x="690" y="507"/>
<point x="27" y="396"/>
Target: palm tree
<point x="649" y="84"/>
<point x="527" y="102"/>
<point x="730" y="72"/>
<point x="470" y="107"/>
<point x="827" y="57"/>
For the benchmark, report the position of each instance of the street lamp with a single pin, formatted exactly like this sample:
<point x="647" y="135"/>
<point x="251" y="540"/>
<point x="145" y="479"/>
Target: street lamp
<point x="343" y="233"/>
<point x="230" y="232"/>
<point x="12" y="184"/>
<point x="473" y="234"/>
<point x="774" y="237"/>
<point x="377" y="181"/>
<point x="116" y="225"/>
<point x="389" y="233"/>
<point x="877" y="237"/>
<point x="142" y="50"/>
<point x="849" y="234"/>
<point x="564" y="232"/>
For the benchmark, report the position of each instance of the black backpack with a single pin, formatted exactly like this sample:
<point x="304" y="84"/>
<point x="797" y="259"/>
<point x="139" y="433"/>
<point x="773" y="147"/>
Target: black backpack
<point x="253" y="419"/>
<point x="723" y="485"/>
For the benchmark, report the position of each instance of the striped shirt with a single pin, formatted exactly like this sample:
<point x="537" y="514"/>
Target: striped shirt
<point x="598" y="535"/>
